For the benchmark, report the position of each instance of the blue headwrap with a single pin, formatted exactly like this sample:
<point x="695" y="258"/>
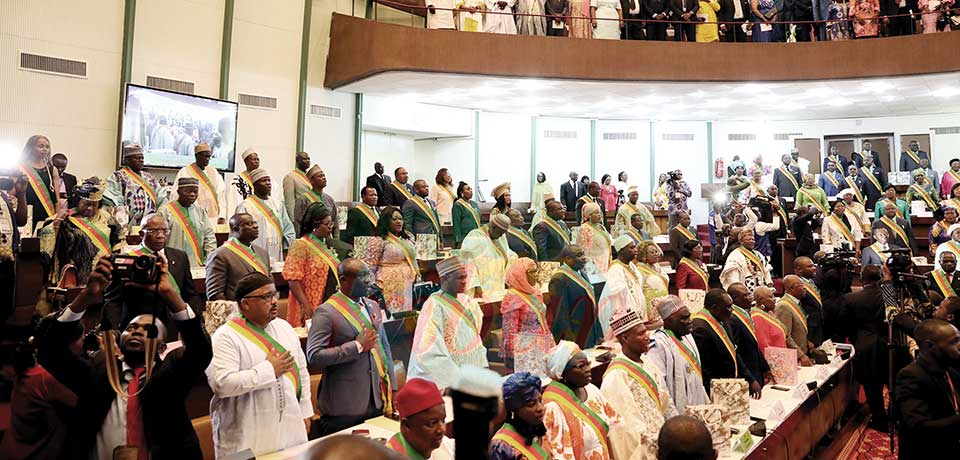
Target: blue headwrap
<point x="519" y="389"/>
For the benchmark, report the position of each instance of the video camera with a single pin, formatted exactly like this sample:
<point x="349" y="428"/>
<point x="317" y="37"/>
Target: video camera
<point x="142" y="269"/>
<point x="841" y="257"/>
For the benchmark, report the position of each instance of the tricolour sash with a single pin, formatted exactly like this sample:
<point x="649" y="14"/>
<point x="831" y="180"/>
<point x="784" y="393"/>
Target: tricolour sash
<point x="267" y="212"/>
<point x="722" y="333"/>
<point x="402" y="189"/>
<point x="565" y="270"/>
<point x="842" y="227"/>
<point x="813" y="290"/>
<point x="419" y="201"/>
<point x="98" y="237"/>
<point x="913" y="156"/>
<point x="597" y="228"/>
<point x="629" y="271"/>
<point x="857" y="194"/>
<point x="556" y="228"/>
<point x="207" y="184"/>
<point x="685" y="232"/>
<point x="247" y="255"/>
<point x="138" y="179"/>
<point x="794" y="308"/>
<point x="832" y="178"/>
<point x="246" y="178"/>
<point x="313" y="197"/>
<point x="328" y="257"/>
<point x="793" y="180"/>
<point x="525" y="239"/>
<point x="896" y="228"/>
<point x="508" y="435"/>
<point x="454" y="305"/>
<point x="40" y="189"/>
<point x="351" y="312"/>
<point x="946" y="288"/>
<point x="688" y="355"/>
<point x="894" y="202"/>
<point x="745" y="319"/>
<point x="924" y="196"/>
<point x="650" y="271"/>
<point x="638" y="374"/>
<point x="182" y="216"/>
<point x="536" y="305"/>
<point x="473" y="212"/>
<point x="752" y="257"/>
<point x="759" y="315"/>
<point x="398" y="444"/>
<point x="300" y="176"/>
<point x="409" y="252"/>
<point x="873" y="179"/>
<point x="141" y="250"/>
<point x="955" y="175"/>
<point x="695" y="267"/>
<point x="369" y="213"/>
<point x="558" y="393"/>
<point x="809" y="196"/>
<point x="259" y="337"/>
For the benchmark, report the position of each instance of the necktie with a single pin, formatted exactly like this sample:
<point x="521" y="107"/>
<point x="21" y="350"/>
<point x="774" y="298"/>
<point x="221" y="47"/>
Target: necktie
<point x="134" y="417"/>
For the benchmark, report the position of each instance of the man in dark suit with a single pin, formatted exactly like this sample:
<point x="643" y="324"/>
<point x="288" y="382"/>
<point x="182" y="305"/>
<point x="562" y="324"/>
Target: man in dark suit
<point x="659" y="10"/>
<point x="59" y="161"/>
<point x="121" y="304"/>
<point x="571" y="191"/>
<point x="858" y="157"/>
<point x="744" y="333"/>
<point x="592" y="196"/>
<point x="736" y="11"/>
<point x="899" y="23"/>
<point x="551" y="235"/>
<point x="839" y="161"/>
<point x="944" y="280"/>
<point x="573" y="301"/>
<point x="420" y="212"/>
<point x="910" y="159"/>
<point x="685" y="11"/>
<point x="926" y="394"/>
<point x="787" y="177"/>
<point x="518" y="239"/>
<point x="632" y="13"/>
<point x="394" y="191"/>
<point x="718" y="360"/>
<point x="813" y="301"/>
<point x="874" y="180"/>
<point x="225" y="266"/>
<point x="678" y="237"/>
<point x="104" y="418"/>
<point x="362" y="218"/>
<point x="379" y="182"/>
<point x="898" y="231"/>
<point x="353" y="387"/>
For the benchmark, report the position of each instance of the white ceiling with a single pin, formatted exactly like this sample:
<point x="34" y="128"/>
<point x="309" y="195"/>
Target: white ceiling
<point x="806" y="100"/>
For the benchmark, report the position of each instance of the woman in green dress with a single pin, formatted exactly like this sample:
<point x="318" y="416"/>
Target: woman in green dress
<point x="466" y="213"/>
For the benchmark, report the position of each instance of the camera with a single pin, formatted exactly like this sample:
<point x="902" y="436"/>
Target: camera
<point x="674" y="176"/>
<point x="841" y="257"/>
<point x="899" y="262"/>
<point x="143" y="269"/>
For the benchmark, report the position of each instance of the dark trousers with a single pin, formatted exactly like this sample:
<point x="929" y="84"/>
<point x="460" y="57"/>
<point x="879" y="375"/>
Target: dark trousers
<point x="633" y="28"/>
<point x="685" y="28"/>
<point x="901" y="25"/>
<point x="804" y="31"/>
<point x="330" y="424"/>
<point x="734" y="33"/>
<point x="551" y="32"/>
<point x="874" y="394"/>
<point x="7" y="290"/>
<point x="656" y="31"/>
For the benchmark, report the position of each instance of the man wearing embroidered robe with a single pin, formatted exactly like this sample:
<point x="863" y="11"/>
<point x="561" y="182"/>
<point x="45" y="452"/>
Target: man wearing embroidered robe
<point x="420" y="213"/>
<point x="213" y="192"/>
<point x="944" y="279"/>
<point x="362" y="218"/>
<point x="318" y="182"/>
<point x="235" y="258"/>
<point x="276" y="230"/>
<point x="624" y="287"/>
<point x="680" y="234"/>
<point x="399" y="191"/>
<point x="831" y="180"/>
<point x="295" y="183"/>
<point x="133" y="188"/>
<point x="793" y="318"/>
<point x="675" y="352"/>
<point x="636" y="387"/>
<point x="901" y="233"/>
<point x="347" y="341"/>
<point x="744" y="332"/>
<point x="719" y="356"/>
<point x="634" y="206"/>
<point x="745" y="265"/>
<point x="190" y="230"/>
<point x="787" y="177"/>
<point x="261" y="387"/>
<point x="448" y="329"/>
<point x="551" y="233"/>
<point x="855" y="211"/>
<point x="518" y="239"/>
<point x="486" y="254"/>
<point x="251" y="162"/>
<point x="571" y="311"/>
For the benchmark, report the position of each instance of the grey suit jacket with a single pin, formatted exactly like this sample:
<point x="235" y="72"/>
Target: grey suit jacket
<point x="415" y="220"/>
<point x="224" y="270"/>
<point x="349" y="376"/>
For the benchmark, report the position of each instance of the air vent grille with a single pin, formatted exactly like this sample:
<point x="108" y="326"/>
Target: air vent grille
<point x="325" y="111"/>
<point x="169" y="84"/>
<point x="53" y="65"/>
<point x="785" y="136"/>
<point x="677" y="137"/>
<point x="947" y="130"/>
<point x="263" y="102"/>
<point x="619" y="136"/>
<point x="558" y="134"/>
<point x="741" y="137"/>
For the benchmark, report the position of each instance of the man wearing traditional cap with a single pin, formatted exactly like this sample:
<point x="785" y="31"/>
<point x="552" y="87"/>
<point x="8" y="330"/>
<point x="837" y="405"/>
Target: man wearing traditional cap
<point x="347" y="342"/>
<point x="296" y="183"/>
<point x="448" y="329"/>
<point x="190" y="230"/>
<point x="399" y="191"/>
<point x="675" y="352"/>
<point x="592" y="196"/>
<point x="633" y="207"/>
<point x="523" y="430"/>
<point x="518" y="239"/>
<point x="487" y="254"/>
<point x="318" y="182"/>
<point x="422" y="413"/>
<point x="855" y="211"/>
<point x="746" y="265"/>
<point x="636" y="387"/>
<point x="711" y="331"/>
<point x="251" y="162"/>
<point x="276" y="230"/>
<point x="551" y="233"/>
<point x="420" y="213"/>
<point x="624" y="287"/>
<point x="235" y="258"/>
<point x="362" y="219"/>
<point x="213" y="192"/>
<point x="573" y="301"/>
<point x="133" y="188"/>
<point x="261" y="387"/>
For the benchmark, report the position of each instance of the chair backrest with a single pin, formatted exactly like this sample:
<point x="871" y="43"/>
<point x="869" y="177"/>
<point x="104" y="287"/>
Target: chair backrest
<point x="315" y="392"/>
<point x="205" y="432"/>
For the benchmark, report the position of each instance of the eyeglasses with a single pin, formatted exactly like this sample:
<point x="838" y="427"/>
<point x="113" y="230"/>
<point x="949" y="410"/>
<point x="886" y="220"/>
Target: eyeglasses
<point x="157" y="231"/>
<point x="270" y="296"/>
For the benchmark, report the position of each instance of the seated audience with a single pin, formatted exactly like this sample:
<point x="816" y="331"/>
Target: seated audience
<point x="685" y="438"/>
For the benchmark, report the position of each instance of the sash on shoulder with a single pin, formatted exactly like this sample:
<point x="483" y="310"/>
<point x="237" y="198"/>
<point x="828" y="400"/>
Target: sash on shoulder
<point x="98" y="237"/>
<point x="259" y="337"/>
<point x="508" y="435"/>
<point x="351" y="312"/>
<point x="247" y="255"/>
<point x="722" y="334"/>
<point x="638" y="374"/>
<point x="572" y="407"/>
<point x="39" y="188"/>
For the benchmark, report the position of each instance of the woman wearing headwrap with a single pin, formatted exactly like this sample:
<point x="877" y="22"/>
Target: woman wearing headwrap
<point x="81" y="235"/>
<point x="656" y="284"/>
<point x="838" y="228"/>
<point x="311" y="266"/>
<point x="525" y="328"/>
<point x="523" y="430"/>
<point x="594" y="239"/>
<point x="397" y="267"/>
<point x="577" y="416"/>
<point x="923" y="190"/>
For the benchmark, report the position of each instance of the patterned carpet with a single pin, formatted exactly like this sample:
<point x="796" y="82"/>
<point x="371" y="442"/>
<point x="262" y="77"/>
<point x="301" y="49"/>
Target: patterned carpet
<point x="867" y="443"/>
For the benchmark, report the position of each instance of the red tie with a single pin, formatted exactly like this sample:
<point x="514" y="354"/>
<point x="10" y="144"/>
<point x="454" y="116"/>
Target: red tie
<point x="134" y="418"/>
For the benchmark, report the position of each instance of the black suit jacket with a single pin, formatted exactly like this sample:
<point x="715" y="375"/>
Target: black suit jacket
<point x="677" y="6"/>
<point x="380" y="184"/>
<point x="599" y="202"/>
<point x="863" y="311"/>
<point x="518" y="246"/>
<point x="857" y="158"/>
<point x="728" y="9"/>
<point x="569" y="194"/>
<point x="714" y="357"/>
<point x="69" y="182"/>
<point x="121" y="304"/>
<point x="929" y="426"/>
<point x="933" y="286"/>
<point x="549" y="244"/>
<point x="652" y="7"/>
<point x="814" y="311"/>
<point x="357" y="225"/>
<point x="169" y="432"/>
<point x="748" y="349"/>
<point x="392" y="197"/>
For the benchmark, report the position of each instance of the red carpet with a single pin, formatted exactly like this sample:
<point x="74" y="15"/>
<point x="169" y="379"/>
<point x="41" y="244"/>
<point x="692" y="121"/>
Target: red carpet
<point x="869" y="444"/>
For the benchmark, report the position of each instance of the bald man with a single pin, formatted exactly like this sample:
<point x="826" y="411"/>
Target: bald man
<point x="350" y="447"/>
<point x="812" y="302"/>
<point x="685" y="437"/>
<point x="792" y="317"/>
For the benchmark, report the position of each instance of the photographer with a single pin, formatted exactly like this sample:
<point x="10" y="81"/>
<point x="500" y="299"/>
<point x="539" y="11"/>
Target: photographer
<point x="134" y="402"/>
<point x="803" y="225"/>
<point x="122" y="303"/>
<point x="677" y="194"/>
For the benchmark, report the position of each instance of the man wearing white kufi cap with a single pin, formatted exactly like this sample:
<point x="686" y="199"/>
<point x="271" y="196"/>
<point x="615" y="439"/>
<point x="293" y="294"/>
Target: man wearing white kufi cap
<point x="633" y="206"/>
<point x="624" y="287"/>
<point x="276" y="229"/>
<point x="487" y="255"/>
<point x="448" y="329"/>
<point x="212" y="196"/>
<point x="675" y="353"/>
<point x="190" y="230"/>
<point x="854" y="209"/>
<point x="839" y="228"/>
<point x="635" y="386"/>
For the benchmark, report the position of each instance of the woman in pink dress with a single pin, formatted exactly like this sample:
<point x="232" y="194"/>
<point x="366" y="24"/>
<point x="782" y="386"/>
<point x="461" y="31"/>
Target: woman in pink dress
<point x="397" y="268"/>
<point x="524" y="313"/>
<point x="931" y="11"/>
<point x="865" y="14"/>
<point x="608" y="193"/>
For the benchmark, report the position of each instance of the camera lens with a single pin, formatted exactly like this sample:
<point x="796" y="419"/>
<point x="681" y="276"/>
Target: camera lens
<point x="143" y="262"/>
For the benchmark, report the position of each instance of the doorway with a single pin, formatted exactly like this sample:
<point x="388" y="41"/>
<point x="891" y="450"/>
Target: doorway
<point x="922" y="139"/>
<point x="848" y="143"/>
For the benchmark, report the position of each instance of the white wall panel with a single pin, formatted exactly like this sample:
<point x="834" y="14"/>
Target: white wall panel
<point x="557" y="156"/>
<point x="629" y="155"/>
<point x="391" y="150"/>
<point x="505" y="154"/>
<point x="454" y="154"/>
<point x="330" y="142"/>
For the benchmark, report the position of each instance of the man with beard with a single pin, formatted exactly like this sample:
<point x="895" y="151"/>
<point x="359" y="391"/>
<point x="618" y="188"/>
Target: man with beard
<point x="422" y="414"/>
<point x="523" y="429"/>
<point x="674" y="350"/>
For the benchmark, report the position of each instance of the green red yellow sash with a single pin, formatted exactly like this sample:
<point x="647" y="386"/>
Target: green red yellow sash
<point x="722" y="333"/>
<point x="508" y="435"/>
<point x="398" y="444"/>
<point x="633" y="209"/>
<point x="685" y="232"/>
<point x="141" y="250"/>
<point x="557" y="228"/>
<point x="695" y="267"/>
<point x="940" y="277"/>
<point x="40" y="189"/>
<point x="351" y="312"/>
<point x="793" y="180"/>
<point x="558" y="393"/>
<point x="598" y="228"/>
<point x="760" y="315"/>
<point x="207" y="184"/>
<point x="302" y="177"/>
<point x="745" y="319"/>
<point x="536" y="305"/>
<point x="259" y="337"/>
<point x="98" y="237"/>
<point x="470" y="209"/>
<point x="842" y="227"/>
<point x="629" y="271"/>
<point x="409" y="252"/>
<point x="454" y="305"/>
<point x="794" y="308"/>
<point x="565" y="270"/>
<point x="895" y="228"/>
<point x="832" y="178"/>
<point x="757" y="189"/>
<point x="753" y="258"/>
<point x="448" y="192"/>
<point x="873" y="179"/>
<point x="913" y="156"/>
<point x="857" y="194"/>
<point x="369" y="213"/>
<point x="883" y="255"/>
<point x="650" y="271"/>
<point x="313" y="197"/>
<point x="686" y="352"/>
<point x="813" y="290"/>
<point x="809" y="196"/>
<point x="587" y="199"/>
<point x="525" y="239"/>
<point x="955" y="175"/>
<point x="836" y="162"/>
<point x="638" y="374"/>
<point x="182" y="216"/>
<point x="328" y="257"/>
<point x="247" y="255"/>
<point x="246" y="178"/>
<point x="506" y="258"/>
<point x="402" y="189"/>
<point x="138" y="179"/>
<point x="267" y="212"/>
<point x="429" y="212"/>
<point x="924" y="196"/>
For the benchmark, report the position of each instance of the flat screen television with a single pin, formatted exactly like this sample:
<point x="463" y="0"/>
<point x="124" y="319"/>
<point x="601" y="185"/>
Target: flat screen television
<point x="168" y="125"/>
